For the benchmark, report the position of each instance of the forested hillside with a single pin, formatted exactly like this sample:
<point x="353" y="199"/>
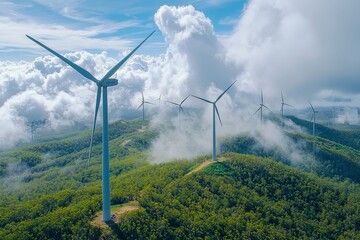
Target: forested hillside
<point x="321" y="156"/>
<point x="246" y="197"/>
<point x="49" y="192"/>
<point x="349" y="138"/>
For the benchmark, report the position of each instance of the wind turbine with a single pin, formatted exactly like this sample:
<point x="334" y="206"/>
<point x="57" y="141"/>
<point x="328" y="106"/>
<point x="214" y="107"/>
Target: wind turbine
<point x="159" y="99"/>
<point x="217" y="112"/>
<point x="313" y="117"/>
<point x="102" y="84"/>
<point x="35" y="125"/>
<point x="331" y="117"/>
<point x="261" y="106"/>
<point x="143" y="108"/>
<point x="179" y="106"/>
<point x="282" y="108"/>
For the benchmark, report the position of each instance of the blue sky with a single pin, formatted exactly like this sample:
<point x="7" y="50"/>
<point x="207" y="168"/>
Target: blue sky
<point x="91" y="25"/>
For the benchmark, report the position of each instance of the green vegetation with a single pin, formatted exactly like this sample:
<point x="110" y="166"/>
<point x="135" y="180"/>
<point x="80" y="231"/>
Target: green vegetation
<point x="246" y="198"/>
<point x="47" y="191"/>
<point x="332" y="159"/>
<point x="349" y="138"/>
<point x="321" y="156"/>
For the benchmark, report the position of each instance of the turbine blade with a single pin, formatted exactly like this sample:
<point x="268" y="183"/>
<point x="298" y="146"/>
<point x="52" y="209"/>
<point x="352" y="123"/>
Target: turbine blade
<point x="117" y="66"/>
<point x="311" y="105"/>
<point x="262" y="98"/>
<point x="288" y="105"/>
<point x="148" y="102"/>
<point x="258" y="109"/>
<point x="202" y="99"/>
<point x="184" y="99"/>
<point x="217" y="112"/>
<point x="142" y="95"/>
<point x="282" y="97"/>
<point x="98" y="97"/>
<point x="67" y="61"/>
<point x="224" y="92"/>
<point x="267" y="108"/>
<point x="139" y="106"/>
<point x="172" y="103"/>
<point x="181" y="108"/>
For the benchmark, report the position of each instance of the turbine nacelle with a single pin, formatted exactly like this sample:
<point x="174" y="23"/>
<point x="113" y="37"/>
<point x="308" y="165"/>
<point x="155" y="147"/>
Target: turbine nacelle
<point x="108" y="82"/>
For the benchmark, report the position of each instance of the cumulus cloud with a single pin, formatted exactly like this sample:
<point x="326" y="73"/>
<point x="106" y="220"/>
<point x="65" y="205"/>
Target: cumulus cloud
<point x="298" y="47"/>
<point x="44" y="89"/>
<point x="194" y="58"/>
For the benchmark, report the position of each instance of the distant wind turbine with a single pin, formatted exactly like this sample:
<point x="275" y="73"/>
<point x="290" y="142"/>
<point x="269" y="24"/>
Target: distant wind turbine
<point x="159" y="99"/>
<point x="217" y="112"/>
<point x="331" y="118"/>
<point x="261" y="106"/>
<point x="102" y="84"/>
<point x="282" y="108"/>
<point x="313" y="117"/>
<point x="143" y="108"/>
<point x="35" y="125"/>
<point x="179" y="106"/>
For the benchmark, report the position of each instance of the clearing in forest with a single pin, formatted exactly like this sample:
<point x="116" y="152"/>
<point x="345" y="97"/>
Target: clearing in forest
<point x="116" y="211"/>
<point x="205" y="164"/>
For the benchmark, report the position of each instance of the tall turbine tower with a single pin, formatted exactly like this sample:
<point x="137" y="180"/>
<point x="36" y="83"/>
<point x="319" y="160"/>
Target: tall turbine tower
<point x="102" y="84"/>
<point x="217" y="112"/>
<point x="261" y="106"/>
<point x="313" y="117"/>
<point x="143" y="108"/>
<point x="282" y="108"/>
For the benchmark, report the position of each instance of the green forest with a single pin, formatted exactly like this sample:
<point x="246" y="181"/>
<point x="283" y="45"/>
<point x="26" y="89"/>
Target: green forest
<point x="48" y="191"/>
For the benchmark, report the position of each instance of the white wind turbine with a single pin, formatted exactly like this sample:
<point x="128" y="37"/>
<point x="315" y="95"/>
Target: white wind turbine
<point x="102" y="84"/>
<point x="159" y="99"/>
<point x="217" y="113"/>
<point x="143" y="108"/>
<point x="179" y="105"/>
<point x="261" y="107"/>
<point x="313" y="117"/>
<point x="282" y="108"/>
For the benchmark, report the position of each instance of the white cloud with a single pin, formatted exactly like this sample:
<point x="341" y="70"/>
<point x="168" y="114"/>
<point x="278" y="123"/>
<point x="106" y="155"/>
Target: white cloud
<point x="300" y="46"/>
<point x="13" y="35"/>
<point x="277" y="45"/>
<point x="348" y="116"/>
